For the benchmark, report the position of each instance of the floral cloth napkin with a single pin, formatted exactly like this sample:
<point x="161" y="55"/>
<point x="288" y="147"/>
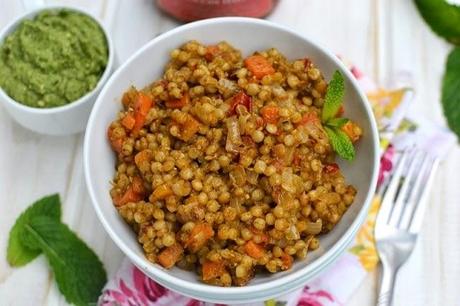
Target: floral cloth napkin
<point x="397" y="130"/>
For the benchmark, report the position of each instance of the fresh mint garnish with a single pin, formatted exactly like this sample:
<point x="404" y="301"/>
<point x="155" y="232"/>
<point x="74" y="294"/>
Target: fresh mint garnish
<point x="337" y="122"/>
<point x="442" y="17"/>
<point x="340" y="142"/>
<point x="334" y="97"/>
<point x="79" y="273"/>
<point x="451" y="91"/>
<point x="19" y="254"/>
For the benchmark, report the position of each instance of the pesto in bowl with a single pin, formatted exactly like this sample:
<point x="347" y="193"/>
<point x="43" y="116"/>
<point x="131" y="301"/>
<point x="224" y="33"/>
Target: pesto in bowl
<point x="53" y="59"/>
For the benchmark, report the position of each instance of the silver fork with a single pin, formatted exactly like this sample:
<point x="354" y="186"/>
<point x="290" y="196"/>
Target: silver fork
<point x="401" y="213"/>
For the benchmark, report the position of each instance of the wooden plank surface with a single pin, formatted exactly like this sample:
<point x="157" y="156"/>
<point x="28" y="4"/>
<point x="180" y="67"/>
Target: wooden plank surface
<point x="383" y="37"/>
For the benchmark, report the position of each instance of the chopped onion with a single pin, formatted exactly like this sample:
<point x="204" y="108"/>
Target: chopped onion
<point x="287" y="180"/>
<point x="234" y="143"/>
<point x="314" y="228"/>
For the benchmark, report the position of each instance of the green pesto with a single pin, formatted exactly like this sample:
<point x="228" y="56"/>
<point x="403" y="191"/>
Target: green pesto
<point x="53" y="59"/>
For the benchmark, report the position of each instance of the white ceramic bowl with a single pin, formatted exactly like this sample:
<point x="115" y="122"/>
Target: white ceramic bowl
<point x="247" y="35"/>
<point x="62" y="120"/>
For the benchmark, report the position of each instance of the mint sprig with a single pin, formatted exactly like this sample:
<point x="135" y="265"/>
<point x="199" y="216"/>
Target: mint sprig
<point x="334" y="97"/>
<point x="442" y="17"/>
<point x="79" y="273"/>
<point x="340" y="142"/>
<point x="451" y="91"/>
<point x="19" y="254"/>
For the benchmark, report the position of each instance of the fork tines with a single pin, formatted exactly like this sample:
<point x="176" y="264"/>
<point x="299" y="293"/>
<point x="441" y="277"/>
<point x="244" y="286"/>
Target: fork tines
<point x="404" y="195"/>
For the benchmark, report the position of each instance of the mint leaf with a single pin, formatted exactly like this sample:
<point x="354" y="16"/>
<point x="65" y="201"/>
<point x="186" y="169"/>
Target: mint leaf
<point x="334" y="96"/>
<point x="79" y="273"/>
<point x="341" y="143"/>
<point x="337" y="122"/>
<point x="451" y="91"/>
<point x="18" y="253"/>
<point x="442" y="17"/>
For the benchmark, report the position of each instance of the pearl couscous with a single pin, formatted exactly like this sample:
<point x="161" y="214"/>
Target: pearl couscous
<point x="223" y="165"/>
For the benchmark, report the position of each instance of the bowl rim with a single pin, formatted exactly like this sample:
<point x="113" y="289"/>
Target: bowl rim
<point x="11" y="27"/>
<point x="163" y="274"/>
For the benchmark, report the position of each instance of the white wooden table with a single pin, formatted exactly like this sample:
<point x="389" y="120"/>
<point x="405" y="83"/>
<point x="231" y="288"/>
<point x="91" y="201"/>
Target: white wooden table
<point x="383" y="37"/>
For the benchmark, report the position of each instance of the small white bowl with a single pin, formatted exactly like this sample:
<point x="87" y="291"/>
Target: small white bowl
<point x="62" y="120"/>
<point x="247" y="35"/>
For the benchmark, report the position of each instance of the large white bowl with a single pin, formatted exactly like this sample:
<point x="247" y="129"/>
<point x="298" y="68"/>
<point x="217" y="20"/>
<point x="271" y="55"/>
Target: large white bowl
<point x="248" y="35"/>
<point x="62" y="120"/>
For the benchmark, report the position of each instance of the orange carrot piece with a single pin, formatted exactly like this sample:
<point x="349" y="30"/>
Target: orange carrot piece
<point x="190" y="128"/>
<point x="309" y="117"/>
<point x="142" y="156"/>
<point x="254" y="250"/>
<point x="169" y="256"/>
<point x="138" y="185"/>
<point x="199" y="235"/>
<point x="115" y="142"/>
<point x="161" y="192"/>
<point x="128" y="121"/>
<point x="178" y="103"/>
<point x="259" y="66"/>
<point x="352" y="130"/>
<point x="141" y="107"/>
<point x="211" y="52"/>
<point x="270" y="114"/>
<point x="287" y="261"/>
<point x="134" y="193"/>
<point x="211" y="269"/>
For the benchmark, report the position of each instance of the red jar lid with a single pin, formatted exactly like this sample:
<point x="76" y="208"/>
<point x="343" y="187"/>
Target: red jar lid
<point x="189" y="10"/>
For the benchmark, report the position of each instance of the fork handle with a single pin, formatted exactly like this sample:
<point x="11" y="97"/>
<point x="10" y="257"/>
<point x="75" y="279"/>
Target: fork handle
<point x="386" y="285"/>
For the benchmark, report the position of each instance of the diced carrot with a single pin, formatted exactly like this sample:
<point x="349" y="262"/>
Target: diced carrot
<point x="240" y="98"/>
<point x="142" y="156"/>
<point x="115" y="142"/>
<point x="134" y="193"/>
<point x="286" y="260"/>
<point x="169" y="256"/>
<point x="332" y="168"/>
<point x="254" y="250"/>
<point x="161" y="192"/>
<point x="199" y="235"/>
<point x="212" y="269"/>
<point x="142" y="106"/>
<point x="190" y="128"/>
<point x="129" y="97"/>
<point x="211" y="52"/>
<point x="309" y="117"/>
<point x="138" y="185"/>
<point x="352" y="130"/>
<point x="270" y="113"/>
<point x="259" y="66"/>
<point x="178" y="103"/>
<point x="128" y="121"/>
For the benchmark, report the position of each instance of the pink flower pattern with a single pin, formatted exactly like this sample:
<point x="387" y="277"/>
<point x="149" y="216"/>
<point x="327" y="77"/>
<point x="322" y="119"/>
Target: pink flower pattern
<point x="386" y="164"/>
<point x="314" y="298"/>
